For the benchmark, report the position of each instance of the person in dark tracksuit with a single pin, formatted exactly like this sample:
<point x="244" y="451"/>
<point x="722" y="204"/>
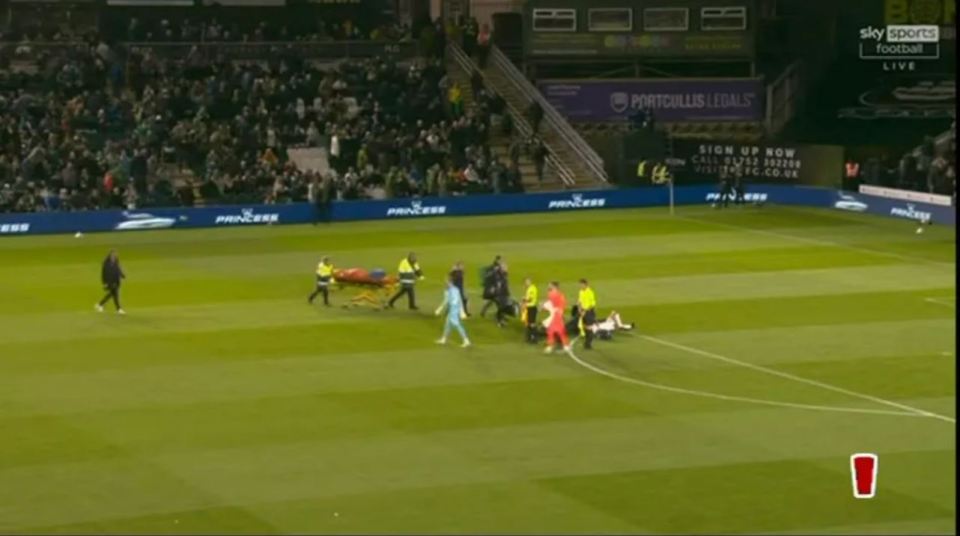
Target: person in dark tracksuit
<point x="324" y="201"/>
<point x="456" y="277"/>
<point x="539" y="153"/>
<point x="408" y="272"/>
<point x="502" y="296"/>
<point x="738" y="191"/>
<point x="110" y="275"/>
<point x="726" y="189"/>
<point x="490" y="280"/>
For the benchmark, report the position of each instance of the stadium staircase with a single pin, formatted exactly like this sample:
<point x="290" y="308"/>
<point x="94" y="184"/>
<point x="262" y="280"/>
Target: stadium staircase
<point x="499" y="142"/>
<point x="572" y="151"/>
<point x="573" y="160"/>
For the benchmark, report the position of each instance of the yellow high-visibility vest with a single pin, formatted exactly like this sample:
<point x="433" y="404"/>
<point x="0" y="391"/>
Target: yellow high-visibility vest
<point x="641" y="168"/>
<point x="325" y="273"/>
<point x="661" y="174"/>
<point x="408" y="271"/>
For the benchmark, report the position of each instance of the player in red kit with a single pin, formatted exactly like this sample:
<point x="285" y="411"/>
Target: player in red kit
<point x="555" y="305"/>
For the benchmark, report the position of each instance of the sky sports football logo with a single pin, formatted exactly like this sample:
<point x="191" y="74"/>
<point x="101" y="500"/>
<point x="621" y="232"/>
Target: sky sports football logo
<point x="900" y="46"/>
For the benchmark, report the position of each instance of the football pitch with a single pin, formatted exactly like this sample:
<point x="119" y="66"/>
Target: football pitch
<point x="772" y="344"/>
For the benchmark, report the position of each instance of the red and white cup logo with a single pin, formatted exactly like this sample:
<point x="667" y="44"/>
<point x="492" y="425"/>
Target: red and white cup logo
<point x="863" y="470"/>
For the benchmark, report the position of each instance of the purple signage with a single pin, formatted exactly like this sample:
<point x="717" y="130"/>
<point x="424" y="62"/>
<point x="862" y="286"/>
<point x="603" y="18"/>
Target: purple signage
<point x="672" y="100"/>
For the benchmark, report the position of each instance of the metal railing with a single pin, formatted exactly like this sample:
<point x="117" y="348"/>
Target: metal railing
<point x="940" y="142"/>
<point x="567" y="133"/>
<point x="784" y="96"/>
<point x="567" y="177"/>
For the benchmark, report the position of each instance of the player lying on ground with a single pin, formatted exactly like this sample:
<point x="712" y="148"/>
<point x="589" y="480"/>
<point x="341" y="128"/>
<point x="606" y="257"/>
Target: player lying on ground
<point x="603" y="330"/>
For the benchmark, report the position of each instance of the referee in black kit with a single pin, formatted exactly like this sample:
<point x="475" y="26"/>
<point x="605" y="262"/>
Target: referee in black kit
<point x="110" y="275"/>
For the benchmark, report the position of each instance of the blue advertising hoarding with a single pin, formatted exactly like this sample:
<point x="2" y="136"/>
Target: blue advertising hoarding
<point x="896" y="208"/>
<point x="160" y="218"/>
<point x="227" y="216"/>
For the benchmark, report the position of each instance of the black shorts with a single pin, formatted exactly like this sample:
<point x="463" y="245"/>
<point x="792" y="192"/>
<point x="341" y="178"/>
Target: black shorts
<point x="532" y="315"/>
<point x="590" y="317"/>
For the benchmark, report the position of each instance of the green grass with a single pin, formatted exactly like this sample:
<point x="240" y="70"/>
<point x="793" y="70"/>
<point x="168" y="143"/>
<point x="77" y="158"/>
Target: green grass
<point x="223" y="403"/>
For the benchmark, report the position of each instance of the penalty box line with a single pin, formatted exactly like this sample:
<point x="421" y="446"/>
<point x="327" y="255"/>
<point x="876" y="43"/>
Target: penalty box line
<point x="799" y="379"/>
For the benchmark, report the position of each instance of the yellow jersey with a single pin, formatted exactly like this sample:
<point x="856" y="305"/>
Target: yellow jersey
<point x="530" y="297"/>
<point x="587" y="299"/>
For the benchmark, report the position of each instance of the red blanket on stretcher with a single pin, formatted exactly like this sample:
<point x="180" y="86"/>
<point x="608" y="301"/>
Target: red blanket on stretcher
<point x="361" y="276"/>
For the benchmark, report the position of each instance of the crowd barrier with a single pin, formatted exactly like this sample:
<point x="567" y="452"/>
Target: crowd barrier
<point x="228" y="216"/>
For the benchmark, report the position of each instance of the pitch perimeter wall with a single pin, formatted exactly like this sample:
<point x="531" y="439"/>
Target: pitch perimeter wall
<point x="938" y="209"/>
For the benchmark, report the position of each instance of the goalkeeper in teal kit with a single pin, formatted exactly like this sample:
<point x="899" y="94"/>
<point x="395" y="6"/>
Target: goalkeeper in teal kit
<point x="453" y="303"/>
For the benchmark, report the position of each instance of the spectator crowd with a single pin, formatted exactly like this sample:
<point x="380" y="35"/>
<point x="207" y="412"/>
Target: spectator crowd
<point x="930" y="168"/>
<point x="42" y="24"/>
<point x="97" y="127"/>
<point x="214" y="30"/>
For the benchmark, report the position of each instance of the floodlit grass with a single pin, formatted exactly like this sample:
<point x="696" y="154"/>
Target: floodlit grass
<point x="773" y="343"/>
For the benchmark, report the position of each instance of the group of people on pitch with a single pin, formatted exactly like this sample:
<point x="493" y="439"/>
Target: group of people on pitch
<point x="496" y="294"/>
<point x="555" y="327"/>
<point x="583" y="319"/>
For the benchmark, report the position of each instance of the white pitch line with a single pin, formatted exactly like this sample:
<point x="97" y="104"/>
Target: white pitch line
<point x="943" y="301"/>
<point x="822" y="242"/>
<point x="799" y="379"/>
<point x="734" y="398"/>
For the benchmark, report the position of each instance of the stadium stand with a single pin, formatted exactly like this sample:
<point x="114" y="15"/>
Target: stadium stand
<point x="929" y="167"/>
<point x="90" y="125"/>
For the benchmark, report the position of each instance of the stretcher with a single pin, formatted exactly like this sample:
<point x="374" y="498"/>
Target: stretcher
<point x="373" y="287"/>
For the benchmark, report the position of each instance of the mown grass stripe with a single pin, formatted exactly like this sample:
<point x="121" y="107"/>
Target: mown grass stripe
<point x="246" y="474"/>
<point x="265" y="281"/>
